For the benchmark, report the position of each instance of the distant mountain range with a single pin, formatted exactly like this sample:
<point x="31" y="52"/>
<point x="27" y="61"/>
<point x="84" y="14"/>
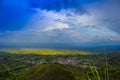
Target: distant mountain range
<point x="64" y="46"/>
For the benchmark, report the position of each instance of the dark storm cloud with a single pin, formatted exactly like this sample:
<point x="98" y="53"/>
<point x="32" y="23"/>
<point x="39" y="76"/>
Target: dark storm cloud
<point x="111" y="12"/>
<point x="58" y="5"/>
<point x="115" y="26"/>
<point x="54" y="4"/>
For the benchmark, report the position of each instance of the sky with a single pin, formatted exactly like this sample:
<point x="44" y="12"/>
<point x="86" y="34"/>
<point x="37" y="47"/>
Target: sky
<point x="66" y="22"/>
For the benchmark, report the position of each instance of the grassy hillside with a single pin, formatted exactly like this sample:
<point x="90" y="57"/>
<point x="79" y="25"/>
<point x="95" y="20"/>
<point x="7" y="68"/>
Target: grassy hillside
<point x="55" y="71"/>
<point x="51" y="72"/>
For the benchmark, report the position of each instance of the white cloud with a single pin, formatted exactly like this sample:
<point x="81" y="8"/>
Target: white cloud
<point x="59" y="27"/>
<point x="43" y="20"/>
<point x="46" y="19"/>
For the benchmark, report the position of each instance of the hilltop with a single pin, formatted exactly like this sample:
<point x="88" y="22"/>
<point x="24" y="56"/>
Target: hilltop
<point x="52" y="72"/>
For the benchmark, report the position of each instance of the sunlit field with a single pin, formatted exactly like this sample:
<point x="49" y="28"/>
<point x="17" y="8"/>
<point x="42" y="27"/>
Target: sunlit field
<point x="48" y="52"/>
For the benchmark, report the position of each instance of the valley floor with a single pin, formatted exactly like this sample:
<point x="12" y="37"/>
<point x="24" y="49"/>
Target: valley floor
<point x="78" y="67"/>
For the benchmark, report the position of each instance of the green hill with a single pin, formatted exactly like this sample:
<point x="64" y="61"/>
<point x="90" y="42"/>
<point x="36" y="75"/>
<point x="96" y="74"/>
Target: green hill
<point x="51" y="72"/>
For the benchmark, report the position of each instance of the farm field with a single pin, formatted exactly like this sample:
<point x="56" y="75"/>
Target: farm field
<point x="48" y="52"/>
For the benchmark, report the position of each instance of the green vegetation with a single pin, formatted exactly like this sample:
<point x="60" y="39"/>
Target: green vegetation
<point x="51" y="72"/>
<point x="95" y="73"/>
<point x="60" y="67"/>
